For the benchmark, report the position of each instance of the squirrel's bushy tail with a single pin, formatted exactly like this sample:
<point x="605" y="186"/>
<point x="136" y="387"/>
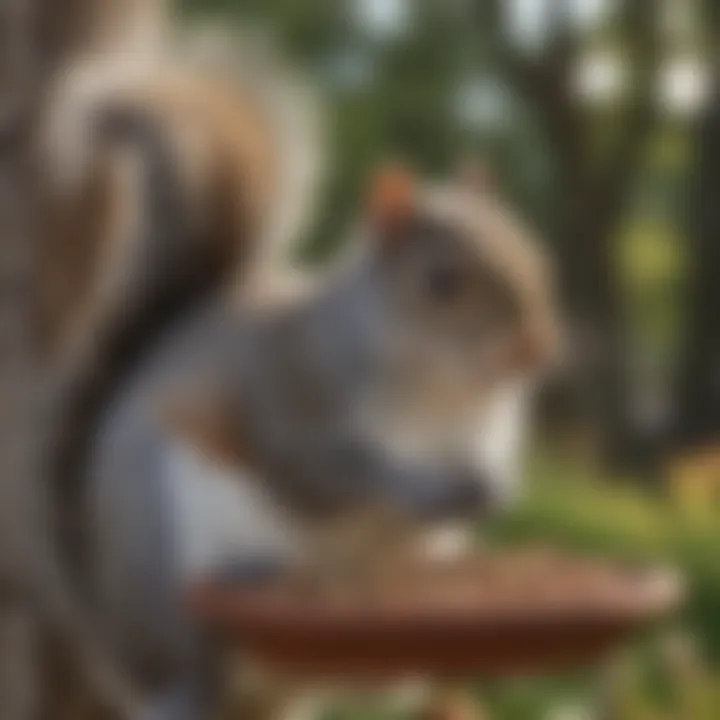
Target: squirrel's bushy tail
<point x="294" y="107"/>
<point x="168" y="267"/>
<point x="81" y="384"/>
<point x="290" y="103"/>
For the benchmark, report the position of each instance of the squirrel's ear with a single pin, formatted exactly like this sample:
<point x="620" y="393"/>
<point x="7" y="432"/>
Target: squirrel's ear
<point x="475" y="174"/>
<point x="391" y="197"/>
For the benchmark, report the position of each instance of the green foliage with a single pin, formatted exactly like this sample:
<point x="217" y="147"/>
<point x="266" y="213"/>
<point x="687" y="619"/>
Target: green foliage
<point x="621" y="520"/>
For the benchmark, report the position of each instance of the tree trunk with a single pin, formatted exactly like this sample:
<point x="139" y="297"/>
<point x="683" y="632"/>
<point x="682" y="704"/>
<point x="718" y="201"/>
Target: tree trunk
<point x="591" y="396"/>
<point x="697" y="401"/>
<point x="17" y="359"/>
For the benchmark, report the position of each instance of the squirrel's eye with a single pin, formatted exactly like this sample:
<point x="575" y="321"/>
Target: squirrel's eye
<point x="444" y="283"/>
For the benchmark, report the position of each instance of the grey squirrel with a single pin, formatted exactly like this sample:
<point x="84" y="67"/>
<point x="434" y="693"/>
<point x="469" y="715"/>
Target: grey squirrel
<point x="366" y="389"/>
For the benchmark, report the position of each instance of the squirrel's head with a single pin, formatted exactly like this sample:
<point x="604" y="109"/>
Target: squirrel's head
<point x="469" y="282"/>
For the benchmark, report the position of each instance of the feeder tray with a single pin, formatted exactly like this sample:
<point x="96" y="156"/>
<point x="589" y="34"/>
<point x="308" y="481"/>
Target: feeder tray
<point x="494" y="615"/>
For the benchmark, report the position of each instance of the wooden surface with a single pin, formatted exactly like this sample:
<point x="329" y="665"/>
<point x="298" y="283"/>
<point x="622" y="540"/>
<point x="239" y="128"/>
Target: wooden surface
<point x="320" y="640"/>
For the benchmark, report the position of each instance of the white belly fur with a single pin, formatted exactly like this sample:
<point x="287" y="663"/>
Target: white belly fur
<point x="499" y="441"/>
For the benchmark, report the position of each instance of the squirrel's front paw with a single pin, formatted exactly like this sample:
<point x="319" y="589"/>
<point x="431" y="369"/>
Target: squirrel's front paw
<point x="450" y="495"/>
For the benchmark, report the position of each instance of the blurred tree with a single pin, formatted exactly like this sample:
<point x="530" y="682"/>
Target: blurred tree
<point x="697" y="401"/>
<point x="697" y="389"/>
<point x="595" y="177"/>
<point x="18" y="95"/>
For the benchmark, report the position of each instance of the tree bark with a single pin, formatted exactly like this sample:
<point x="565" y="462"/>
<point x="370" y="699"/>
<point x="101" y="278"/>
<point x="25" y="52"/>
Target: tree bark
<point x="17" y="358"/>
<point x="697" y="393"/>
